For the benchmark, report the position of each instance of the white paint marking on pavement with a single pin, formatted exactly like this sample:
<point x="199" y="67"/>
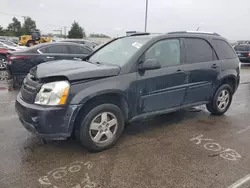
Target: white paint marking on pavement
<point x="228" y="153"/>
<point x="6" y="102"/>
<point x="240" y="182"/>
<point x="243" y="130"/>
<point x="8" y="117"/>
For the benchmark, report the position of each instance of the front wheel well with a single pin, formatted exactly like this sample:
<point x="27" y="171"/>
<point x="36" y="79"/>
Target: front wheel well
<point x="113" y="98"/>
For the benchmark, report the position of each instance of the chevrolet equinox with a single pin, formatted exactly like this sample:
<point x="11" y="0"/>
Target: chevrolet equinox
<point x="129" y="78"/>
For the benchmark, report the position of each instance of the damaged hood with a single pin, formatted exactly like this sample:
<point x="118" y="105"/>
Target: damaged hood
<point x="74" y="70"/>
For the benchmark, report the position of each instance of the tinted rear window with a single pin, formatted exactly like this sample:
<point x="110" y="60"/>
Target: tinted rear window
<point x="223" y="49"/>
<point x="58" y="49"/>
<point x="242" y="48"/>
<point x="79" y="50"/>
<point x="198" y="50"/>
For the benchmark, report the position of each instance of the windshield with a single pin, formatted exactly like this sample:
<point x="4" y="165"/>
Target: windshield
<point x="119" y="51"/>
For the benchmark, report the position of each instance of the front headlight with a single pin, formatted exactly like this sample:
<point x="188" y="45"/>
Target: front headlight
<point x="53" y="93"/>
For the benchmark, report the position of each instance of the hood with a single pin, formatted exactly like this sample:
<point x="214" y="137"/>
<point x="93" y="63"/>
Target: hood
<point x="73" y="70"/>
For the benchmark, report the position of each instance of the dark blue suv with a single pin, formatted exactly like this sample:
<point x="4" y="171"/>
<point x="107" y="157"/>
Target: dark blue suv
<point x="130" y="78"/>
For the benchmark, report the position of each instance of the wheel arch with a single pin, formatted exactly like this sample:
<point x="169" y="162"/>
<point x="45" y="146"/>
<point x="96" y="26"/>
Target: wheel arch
<point x="231" y="80"/>
<point x="113" y="97"/>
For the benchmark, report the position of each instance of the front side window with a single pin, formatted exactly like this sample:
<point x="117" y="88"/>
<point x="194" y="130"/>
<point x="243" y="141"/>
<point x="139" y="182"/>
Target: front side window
<point x="198" y="50"/>
<point x="119" y="51"/>
<point x="167" y="52"/>
<point x="58" y="49"/>
<point x="79" y="50"/>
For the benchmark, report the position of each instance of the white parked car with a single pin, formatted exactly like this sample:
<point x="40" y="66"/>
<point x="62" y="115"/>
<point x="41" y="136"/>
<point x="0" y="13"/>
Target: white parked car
<point x="11" y="45"/>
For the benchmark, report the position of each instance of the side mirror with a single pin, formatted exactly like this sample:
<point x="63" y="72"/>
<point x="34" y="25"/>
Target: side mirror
<point x="149" y="64"/>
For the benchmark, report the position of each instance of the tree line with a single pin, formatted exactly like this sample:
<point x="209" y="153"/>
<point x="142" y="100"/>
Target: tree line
<point x="16" y="29"/>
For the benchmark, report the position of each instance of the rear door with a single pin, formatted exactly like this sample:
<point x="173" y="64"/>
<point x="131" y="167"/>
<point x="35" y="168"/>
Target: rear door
<point x="202" y="66"/>
<point x="79" y="51"/>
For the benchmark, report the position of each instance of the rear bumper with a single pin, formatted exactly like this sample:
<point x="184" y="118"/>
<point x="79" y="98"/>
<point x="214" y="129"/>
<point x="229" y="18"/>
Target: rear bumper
<point x="244" y="59"/>
<point x="53" y="122"/>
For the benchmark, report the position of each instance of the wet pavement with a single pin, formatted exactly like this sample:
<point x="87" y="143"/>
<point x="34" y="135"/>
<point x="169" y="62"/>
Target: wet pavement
<point x="189" y="148"/>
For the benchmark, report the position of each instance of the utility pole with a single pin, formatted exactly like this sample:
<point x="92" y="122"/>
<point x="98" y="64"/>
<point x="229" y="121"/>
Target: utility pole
<point x="146" y="16"/>
<point x="65" y="35"/>
<point x="24" y="18"/>
<point x="58" y="30"/>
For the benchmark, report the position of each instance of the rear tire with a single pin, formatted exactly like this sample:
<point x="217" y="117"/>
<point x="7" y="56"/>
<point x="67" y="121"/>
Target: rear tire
<point x="3" y="61"/>
<point x="221" y="100"/>
<point x="30" y="43"/>
<point x="101" y="127"/>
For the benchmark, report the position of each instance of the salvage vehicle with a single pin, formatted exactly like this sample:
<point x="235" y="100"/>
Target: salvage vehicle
<point x="128" y="79"/>
<point x="243" y="52"/>
<point x="20" y="62"/>
<point x="10" y="45"/>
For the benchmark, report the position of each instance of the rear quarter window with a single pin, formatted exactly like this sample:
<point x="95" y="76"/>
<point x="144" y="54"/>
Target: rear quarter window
<point x="223" y="49"/>
<point x="198" y="50"/>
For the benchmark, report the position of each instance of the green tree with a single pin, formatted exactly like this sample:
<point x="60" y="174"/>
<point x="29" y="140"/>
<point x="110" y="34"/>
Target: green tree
<point x="76" y="31"/>
<point x="1" y="30"/>
<point x="28" y="26"/>
<point x="15" y="27"/>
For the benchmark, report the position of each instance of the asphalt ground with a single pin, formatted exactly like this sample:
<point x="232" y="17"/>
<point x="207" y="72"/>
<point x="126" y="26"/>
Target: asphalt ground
<point x="188" y="148"/>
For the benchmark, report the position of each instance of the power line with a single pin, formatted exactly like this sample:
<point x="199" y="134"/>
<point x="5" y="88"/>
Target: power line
<point x="10" y="14"/>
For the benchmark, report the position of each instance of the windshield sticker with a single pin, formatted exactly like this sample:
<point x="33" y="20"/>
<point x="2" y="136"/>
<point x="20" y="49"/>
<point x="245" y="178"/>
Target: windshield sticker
<point x="137" y="45"/>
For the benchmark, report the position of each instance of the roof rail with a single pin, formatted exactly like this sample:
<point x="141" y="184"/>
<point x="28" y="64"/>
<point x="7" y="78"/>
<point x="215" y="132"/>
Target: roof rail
<point x="138" y="34"/>
<point x="194" y="32"/>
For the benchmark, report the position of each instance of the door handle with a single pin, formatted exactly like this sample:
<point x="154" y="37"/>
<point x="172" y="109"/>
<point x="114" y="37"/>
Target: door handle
<point x="214" y="66"/>
<point x="49" y="57"/>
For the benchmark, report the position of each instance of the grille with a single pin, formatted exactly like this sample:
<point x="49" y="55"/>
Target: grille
<point x="29" y="89"/>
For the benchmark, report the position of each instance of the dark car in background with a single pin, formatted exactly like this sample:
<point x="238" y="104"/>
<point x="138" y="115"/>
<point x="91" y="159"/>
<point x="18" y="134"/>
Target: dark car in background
<point x="243" y="52"/>
<point x="20" y="62"/>
<point x="85" y="42"/>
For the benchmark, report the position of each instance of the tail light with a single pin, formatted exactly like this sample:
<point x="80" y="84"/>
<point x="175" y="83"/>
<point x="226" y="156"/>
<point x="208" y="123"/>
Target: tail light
<point x="11" y="57"/>
<point x="249" y="54"/>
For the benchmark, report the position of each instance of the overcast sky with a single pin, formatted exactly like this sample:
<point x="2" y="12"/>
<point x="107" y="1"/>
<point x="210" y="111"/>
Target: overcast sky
<point x="229" y="18"/>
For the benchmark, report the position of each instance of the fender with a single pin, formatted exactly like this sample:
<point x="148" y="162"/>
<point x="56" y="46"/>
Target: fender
<point x="230" y="73"/>
<point x="114" y="87"/>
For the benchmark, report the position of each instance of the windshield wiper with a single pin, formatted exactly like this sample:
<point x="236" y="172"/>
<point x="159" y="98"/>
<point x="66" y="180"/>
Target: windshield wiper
<point x="97" y="62"/>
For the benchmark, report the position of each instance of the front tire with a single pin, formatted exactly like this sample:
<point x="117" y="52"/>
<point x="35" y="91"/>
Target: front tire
<point x="221" y="100"/>
<point x="101" y="127"/>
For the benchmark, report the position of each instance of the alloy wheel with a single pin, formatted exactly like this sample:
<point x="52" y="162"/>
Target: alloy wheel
<point x="103" y="127"/>
<point x="223" y="100"/>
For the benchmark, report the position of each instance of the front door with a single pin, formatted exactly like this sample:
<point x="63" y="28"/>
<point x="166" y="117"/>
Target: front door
<point x="202" y="67"/>
<point x="165" y="87"/>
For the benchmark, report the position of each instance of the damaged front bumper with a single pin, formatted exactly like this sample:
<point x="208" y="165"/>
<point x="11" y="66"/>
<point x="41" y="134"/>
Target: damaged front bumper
<point x="49" y="122"/>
